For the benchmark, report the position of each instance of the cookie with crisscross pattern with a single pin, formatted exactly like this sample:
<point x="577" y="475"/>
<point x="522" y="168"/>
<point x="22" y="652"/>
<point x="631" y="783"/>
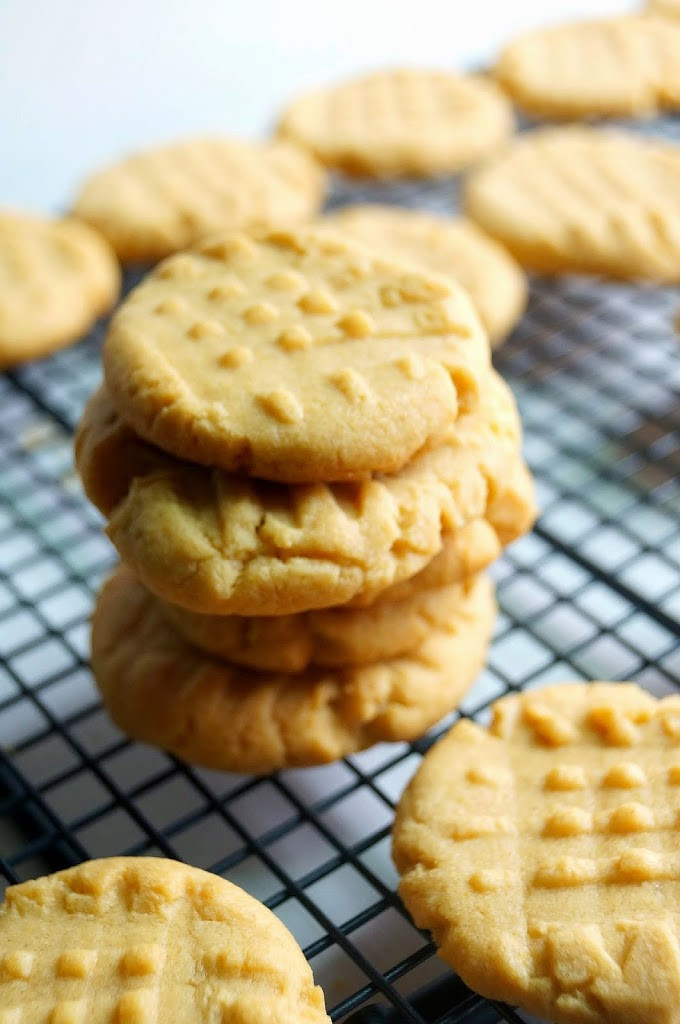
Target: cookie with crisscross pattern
<point x="586" y="200"/>
<point x="156" y="202"/>
<point x="612" y="67"/>
<point x="161" y="690"/>
<point x="56" y="278"/>
<point x="294" y="356"/>
<point x="453" y="246"/>
<point x="401" y="122"/>
<point x="542" y="853"/>
<point x="221" y="544"/>
<point x="140" y="940"/>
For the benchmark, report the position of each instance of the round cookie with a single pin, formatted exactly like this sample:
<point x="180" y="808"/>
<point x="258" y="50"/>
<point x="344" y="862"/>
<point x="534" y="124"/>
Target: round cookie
<point x="156" y="202"/>
<point x="293" y="356"/>
<point x="622" y="66"/>
<point x="162" y="691"/>
<point x="585" y="200"/>
<point x="332" y="637"/>
<point x="400" y="123"/>
<point x="227" y="545"/>
<point x="56" y="278"/>
<point x="456" y="247"/>
<point x="542" y="853"/>
<point x="133" y="940"/>
<point x="109" y="455"/>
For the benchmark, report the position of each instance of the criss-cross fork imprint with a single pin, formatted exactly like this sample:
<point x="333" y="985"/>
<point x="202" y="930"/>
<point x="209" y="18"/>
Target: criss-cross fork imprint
<point x="543" y="853"/>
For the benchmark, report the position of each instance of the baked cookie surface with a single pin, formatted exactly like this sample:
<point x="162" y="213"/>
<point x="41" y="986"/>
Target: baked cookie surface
<point x="154" y="203"/>
<point x="586" y="200"/>
<point x="221" y="544"/>
<point x="400" y="123"/>
<point x="141" y="940"/>
<point x="109" y="455"/>
<point x="56" y="278"/>
<point x="454" y="246"/>
<point x="293" y="356"/>
<point x="333" y="637"/>
<point x="542" y="853"/>
<point x="667" y="8"/>
<point x="463" y="553"/>
<point x="160" y="690"/>
<point x="617" y="67"/>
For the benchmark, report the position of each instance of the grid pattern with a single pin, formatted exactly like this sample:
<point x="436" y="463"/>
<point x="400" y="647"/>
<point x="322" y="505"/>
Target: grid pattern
<point x="593" y="592"/>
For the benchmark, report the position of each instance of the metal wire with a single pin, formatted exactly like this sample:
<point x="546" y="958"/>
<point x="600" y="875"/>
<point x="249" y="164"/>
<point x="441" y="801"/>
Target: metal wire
<point x="593" y="592"/>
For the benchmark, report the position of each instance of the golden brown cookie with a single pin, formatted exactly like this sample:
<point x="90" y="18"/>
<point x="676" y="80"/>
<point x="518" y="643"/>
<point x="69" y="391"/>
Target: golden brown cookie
<point x="490" y="276"/>
<point x="542" y="853"/>
<point x="156" y="202"/>
<point x="109" y="455"/>
<point x="141" y="940"/>
<point x="584" y="200"/>
<point x="56" y="278"/>
<point x="221" y="544"/>
<point x="666" y="8"/>
<point x="293" y="356"/>
<point x="332" y="637"/>
<point x="622" y="66"/>
<point x="463" y="553"/>
<point x="162" y="691"/>
<point x="399" y="123"/>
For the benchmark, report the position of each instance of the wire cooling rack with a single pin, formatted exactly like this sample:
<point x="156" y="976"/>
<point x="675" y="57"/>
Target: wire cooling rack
<point x="593" y="592"/>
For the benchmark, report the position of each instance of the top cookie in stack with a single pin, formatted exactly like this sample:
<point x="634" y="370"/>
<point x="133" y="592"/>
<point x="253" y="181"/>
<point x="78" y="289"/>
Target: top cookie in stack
<point x="292" y="422"/>
<point x="293" y="357"/>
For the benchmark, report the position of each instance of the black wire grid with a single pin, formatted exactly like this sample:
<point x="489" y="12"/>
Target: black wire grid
<point x="593" y="592"/>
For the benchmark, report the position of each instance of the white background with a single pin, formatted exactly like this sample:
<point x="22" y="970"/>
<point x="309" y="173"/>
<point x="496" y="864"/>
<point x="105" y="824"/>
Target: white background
<point x="84" y="81"/>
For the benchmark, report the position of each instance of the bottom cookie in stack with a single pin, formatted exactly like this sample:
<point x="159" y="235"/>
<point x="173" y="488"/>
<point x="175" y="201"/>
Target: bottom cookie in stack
<point x="161" y="689"/>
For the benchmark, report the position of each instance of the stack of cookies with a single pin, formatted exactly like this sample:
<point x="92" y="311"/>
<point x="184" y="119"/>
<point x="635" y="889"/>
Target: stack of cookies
<point x="306" y="461"/>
